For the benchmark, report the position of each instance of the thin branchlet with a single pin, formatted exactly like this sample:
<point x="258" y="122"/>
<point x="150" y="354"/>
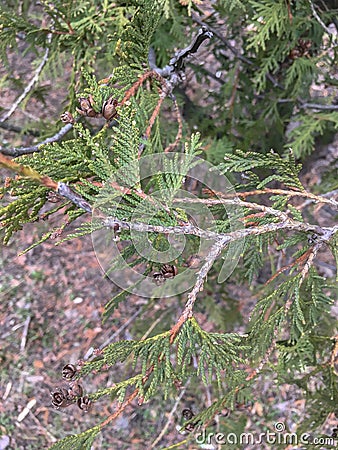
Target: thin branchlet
<point x="15" y="152"/>
<point x="173" y="72"/>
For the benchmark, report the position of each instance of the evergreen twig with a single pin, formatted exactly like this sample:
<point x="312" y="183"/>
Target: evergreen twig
<point x="20" y="151"/>
<point x="319" y="20"/>
<point x="235" y="52"/>
<point x="28" y="172"/>
<point x="288" y="193"/>
<point x="187" y="313"/>
<point x="179" y="131"/>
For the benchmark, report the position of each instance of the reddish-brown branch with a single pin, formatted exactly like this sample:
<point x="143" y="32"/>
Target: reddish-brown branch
<point x="28" y="172"/>
<point x="119" y="410"/>
<point x="127" y="191"/>
<point x="131" y="92"/>
<point x="179" y="131"/>
<point x="155" y="113"/>
<point x="123" y="406"/>
<point x="71" y="29"/>
<point x="176" y="328"/>
<point x="138" y="193"/>
<point x="301" y="260"/>
<point x="289" y="11"/>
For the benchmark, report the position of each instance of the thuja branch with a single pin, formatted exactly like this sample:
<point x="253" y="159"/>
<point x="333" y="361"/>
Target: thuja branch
<point x="324" y="232"/>
<point x="309" y="256"/>
<point x="131" y="92"/>
<point x="316" y="198"/>
<point x="187" y="313"/>
<point x="27" y="172"/>
<point x="235" y="52"/>
<point x="131" y="397"/>
<point x="64" y="190"/>
<point x="173" y="71"/>
<point x="36" y="148"/>
<point x="310" y="260"/>
<point x="155" y="114"/>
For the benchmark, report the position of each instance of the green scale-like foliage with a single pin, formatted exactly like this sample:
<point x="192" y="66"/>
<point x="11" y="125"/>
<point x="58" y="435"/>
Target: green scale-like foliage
<point x="285" y="169"/>
<point x="309" y="304"/>
<point x="215" y="352"/>
<point x="67" y="162"/>
<point x="82" y="441"/>
<point x="218" y="352"/>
